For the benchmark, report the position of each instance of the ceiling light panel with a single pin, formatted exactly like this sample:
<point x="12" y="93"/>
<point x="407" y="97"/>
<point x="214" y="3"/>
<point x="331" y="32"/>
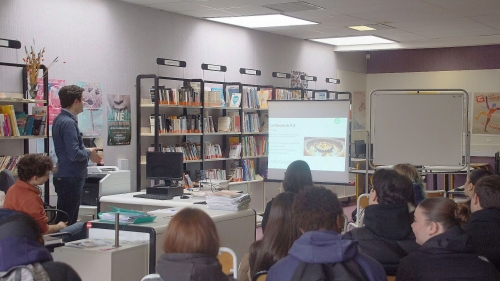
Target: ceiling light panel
<point x="263" y="21"/>
<point x="361" y="27"/>
<point x="354" y="40"/>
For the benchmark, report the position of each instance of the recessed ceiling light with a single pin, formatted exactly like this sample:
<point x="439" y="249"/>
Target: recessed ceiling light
<point x="262" y="21"/>
<point x="354" y="40"/>
<point x="361" y="27"/>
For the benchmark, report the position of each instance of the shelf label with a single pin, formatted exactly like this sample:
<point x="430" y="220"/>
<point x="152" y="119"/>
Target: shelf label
<point x="170" y="62"/>
<point x="213" y="67"/>
<point x="249" y="71"/>
<point x="308" y="78"/>
<point x="332" y="80"/>
<point x="281" y="75"/>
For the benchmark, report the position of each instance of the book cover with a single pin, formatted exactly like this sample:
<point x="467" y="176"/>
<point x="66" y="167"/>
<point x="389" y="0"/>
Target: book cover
<point x="221" y="94"/>
<point x="235" y="100"/>
<point x="224" y="124"/>
<point x="37" y="123"/>
<point x="21" y="121"/>
<point x="28" y="129"/>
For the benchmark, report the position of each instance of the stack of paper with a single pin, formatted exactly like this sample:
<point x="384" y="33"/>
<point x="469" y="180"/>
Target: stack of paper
<point x="228" y="200"/>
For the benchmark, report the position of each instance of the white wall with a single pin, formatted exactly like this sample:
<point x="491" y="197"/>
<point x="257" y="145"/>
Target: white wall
<point x="111" y="42"/>
<point x="352" y="82"/>
<point x="469" y="80"/>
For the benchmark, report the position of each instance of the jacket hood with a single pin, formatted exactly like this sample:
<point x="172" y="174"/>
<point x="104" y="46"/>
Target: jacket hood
<point x="390" y="221"/>
<point x="452" y="241"/>
<point x="16" y="251"/>
<point x="186" y="267"/>
<point x="323" y="247"/>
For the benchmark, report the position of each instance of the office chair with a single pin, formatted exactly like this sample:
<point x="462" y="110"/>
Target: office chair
<point x="6" y="180"/>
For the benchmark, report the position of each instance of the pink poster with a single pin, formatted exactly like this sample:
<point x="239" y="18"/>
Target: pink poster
<point x="54" y="103"/>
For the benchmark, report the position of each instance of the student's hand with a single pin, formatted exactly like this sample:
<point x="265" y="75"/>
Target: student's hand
<point x="62" y="225"/>
<point x="94" y="156"/>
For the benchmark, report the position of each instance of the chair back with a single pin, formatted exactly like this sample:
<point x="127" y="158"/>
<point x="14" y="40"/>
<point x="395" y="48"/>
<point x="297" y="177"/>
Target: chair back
<point x="260" y="276"/>
<point x="6" y="180"/>
<point x="229" y="261"/>
<point x="391" y="278"/>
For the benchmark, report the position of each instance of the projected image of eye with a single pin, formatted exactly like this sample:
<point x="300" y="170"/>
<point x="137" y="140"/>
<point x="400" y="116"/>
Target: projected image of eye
<point x="332" y="147"/>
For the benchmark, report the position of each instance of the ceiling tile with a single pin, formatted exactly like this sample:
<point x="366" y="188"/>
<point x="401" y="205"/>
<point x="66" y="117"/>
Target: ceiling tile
<point x="469" y="7"/>
<point x="210" y="13"/>
<point x="225" y="4"/>
<point x="250" y="11"/>
<point x="178" y="6"/>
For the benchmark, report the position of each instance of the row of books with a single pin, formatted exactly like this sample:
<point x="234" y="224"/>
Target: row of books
<point x="177" y="124"/>
<point x="254" y="145"/>
<point x="20" y="123"/>
<point x="191" y="151"/>
<point x="283" y="94"/>
<point x="244" y="173"/>
<point x="229" y="123"/>
<point x="185" y="96"/>
<point x="210" y="174"/>
<point x="211" y="151"/>
<point x="214" y="97"/>
<point x="254" y="98"/>
<point x="251" y="122"/>
<point x="10" y="162"/>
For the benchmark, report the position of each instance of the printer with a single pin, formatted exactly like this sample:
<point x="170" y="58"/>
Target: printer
<point x="104" y="180"/>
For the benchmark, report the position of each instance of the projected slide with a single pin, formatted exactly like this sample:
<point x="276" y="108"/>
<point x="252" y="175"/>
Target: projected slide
<point x="321" y="142"/>
<point x="316" y="132"/>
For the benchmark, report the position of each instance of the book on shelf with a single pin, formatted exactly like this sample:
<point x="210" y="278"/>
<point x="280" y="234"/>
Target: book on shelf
<point x="235" y="151"/>
<point x="264" y="95"/>
<point x="235" y="100"/>
<point x="230" y="90"/>
<point x="250" y="98"/>
<point x="21" y="121"/>
<point x="221" y="94"/>
<point x="320" y="96"/>
<point x="10" y="122"/>
<point x="224" y="124"/>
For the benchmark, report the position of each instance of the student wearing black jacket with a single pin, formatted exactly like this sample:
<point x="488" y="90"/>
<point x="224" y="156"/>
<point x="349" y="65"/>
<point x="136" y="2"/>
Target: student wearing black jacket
<point x="484" y="223"/>
<point x="445" y="253"/>
<point x="387" y="236"/>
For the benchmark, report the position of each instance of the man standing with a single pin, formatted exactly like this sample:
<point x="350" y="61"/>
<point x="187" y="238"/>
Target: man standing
<point x="483" y="226"/>
<point x="72" y="155"/>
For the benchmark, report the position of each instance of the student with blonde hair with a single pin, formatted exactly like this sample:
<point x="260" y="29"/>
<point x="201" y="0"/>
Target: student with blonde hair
<point x="191" y="246"/>
<point x="445" y="248"/>
<point x="418" y="184"/>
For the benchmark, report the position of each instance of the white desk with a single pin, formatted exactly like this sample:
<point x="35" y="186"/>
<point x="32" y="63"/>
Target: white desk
<point x="128" y="201"/>
<point x="236" y="230"/>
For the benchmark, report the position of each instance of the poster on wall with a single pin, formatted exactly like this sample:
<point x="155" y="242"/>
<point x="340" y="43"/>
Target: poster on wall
<point x="486" y="113"/>
<point x="53" y="100"/>
<point x="119" y="123"/>
<point x="90" y="121"/>
<point x="295" y="80"/>
<point x="358" y="111"/>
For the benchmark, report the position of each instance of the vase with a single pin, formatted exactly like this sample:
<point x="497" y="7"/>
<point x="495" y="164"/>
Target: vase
<point x="33" y="91"/>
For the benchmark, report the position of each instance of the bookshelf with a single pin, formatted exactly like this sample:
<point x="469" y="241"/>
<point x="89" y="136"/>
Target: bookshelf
<point x="13" y="145"/>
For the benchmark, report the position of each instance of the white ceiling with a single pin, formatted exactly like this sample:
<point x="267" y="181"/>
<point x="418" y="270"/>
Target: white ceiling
<point x="416" y="23"/>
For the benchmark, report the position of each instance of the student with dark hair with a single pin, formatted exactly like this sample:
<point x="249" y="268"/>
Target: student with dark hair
<point x="472" y="179"/>
<point x="297" y="176"/>
<point x="72" y="156"/>
<point x="21" y="243"/>
<point x="386" y="235"/>
<point x="24" y="195"/>
<point x="191" y="246"/>
<point x="280" y="235"/>
<point x="445" y="251"/>
<point x="321" y="252"/>
<point x="484" y="224"/>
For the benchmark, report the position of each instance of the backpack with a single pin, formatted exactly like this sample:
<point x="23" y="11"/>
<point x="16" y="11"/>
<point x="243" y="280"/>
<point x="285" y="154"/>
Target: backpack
<point x="31" y="272"/>
<point x="345" y="271"/>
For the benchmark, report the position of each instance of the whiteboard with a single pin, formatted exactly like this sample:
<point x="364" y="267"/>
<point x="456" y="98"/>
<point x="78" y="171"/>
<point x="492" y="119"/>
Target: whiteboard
<point x="421" y="129"/>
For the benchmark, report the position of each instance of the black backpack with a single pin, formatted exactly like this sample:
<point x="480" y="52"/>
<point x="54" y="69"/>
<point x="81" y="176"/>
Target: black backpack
<point x="344" y="271"/>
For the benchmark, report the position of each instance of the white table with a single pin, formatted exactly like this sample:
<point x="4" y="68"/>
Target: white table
<point x="236" y="229"/>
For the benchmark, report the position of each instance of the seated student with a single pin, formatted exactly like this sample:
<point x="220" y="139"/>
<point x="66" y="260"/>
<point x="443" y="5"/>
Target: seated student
<point x="321" y="250"/>
<point x="387" y="235"/>
<point x="280" y="235"/>
<point x="472" y="179"/>
<point x="297" y="175"/>
<point x="484" y="223"/>
<point x="21" y="243"/>
<point x="444" y="254"/>
<point x="191" y="246"/>
<point x="418" y="184"/>
<point x="24" y="195"/>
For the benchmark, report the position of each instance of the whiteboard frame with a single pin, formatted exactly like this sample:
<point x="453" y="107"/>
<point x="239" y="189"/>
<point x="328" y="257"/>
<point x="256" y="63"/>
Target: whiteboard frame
<point x="465" y="130"/>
